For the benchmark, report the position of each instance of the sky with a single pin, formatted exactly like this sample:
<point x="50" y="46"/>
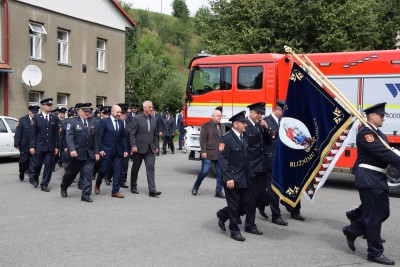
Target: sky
<point x="155" y="5"/>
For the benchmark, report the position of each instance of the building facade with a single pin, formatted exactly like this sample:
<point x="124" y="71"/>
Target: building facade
<point x="79" y="47"/>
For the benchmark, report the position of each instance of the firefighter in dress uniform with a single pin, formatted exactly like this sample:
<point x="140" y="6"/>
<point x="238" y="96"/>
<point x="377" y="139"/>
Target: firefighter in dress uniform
<point x="232" y="156"/>
<point x="22" y="140"/>
<point x="44" y="144"/>
<point x="372" y="160"/>
<point x="83" y="151"/>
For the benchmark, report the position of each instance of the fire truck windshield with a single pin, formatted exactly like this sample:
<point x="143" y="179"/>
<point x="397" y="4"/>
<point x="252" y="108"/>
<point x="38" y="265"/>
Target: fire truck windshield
<point x="210" y="79"/>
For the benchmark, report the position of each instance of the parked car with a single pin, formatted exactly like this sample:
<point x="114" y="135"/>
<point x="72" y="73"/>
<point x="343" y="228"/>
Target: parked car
<point x="7" y="131"/>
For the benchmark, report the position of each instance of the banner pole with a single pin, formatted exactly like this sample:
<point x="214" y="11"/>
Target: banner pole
<point x="331" y="87"/>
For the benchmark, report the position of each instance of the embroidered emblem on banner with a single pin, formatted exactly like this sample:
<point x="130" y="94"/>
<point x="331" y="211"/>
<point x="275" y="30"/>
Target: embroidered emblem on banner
<point x="339" y="115"/>
<point x="221" y="146"/>
<point x="296" y="75"/>
<point x="370" y="138"/>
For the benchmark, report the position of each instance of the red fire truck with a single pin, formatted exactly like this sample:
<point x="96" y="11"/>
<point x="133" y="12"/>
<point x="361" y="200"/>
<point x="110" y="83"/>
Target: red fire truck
<point x="235" y="81"/>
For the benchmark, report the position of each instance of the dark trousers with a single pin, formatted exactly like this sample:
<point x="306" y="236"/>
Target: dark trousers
<point x="104" y="168"/>
<point x="170" y="141"/>
<point x="24" y="163"/>
<point x="124" y="170"/>
<point x="38" y="159"/>
<point x="149" y="160"/>
<point x="292" y="210"/>
<point x="375" y="210"/>
<point x="85" y="167"/>
<point x="181" y="139"/>
<point x="236" y="200"/>
<point x="273" y="198"/>
<point x="256" y="192"/>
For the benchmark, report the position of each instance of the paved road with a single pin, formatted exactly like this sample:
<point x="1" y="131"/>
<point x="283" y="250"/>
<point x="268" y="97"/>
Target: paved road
<point x="177" y="229"/>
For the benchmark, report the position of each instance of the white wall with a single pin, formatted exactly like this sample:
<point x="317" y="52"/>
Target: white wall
<point x="102" y="12"/>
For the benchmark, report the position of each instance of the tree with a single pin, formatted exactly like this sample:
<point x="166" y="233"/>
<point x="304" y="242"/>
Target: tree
<point x="125" y="5"/>
<point x="180" y="9"/>
<point x="255" y="26"/>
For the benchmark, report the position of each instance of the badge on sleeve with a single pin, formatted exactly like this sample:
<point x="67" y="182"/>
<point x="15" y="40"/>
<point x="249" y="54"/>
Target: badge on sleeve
<point x="68" y="126"/>
<point x="221" y="146"/>
<point x="369" y="138"/>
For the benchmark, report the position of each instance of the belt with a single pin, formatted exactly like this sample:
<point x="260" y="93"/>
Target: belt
<point x="367" y="166"/>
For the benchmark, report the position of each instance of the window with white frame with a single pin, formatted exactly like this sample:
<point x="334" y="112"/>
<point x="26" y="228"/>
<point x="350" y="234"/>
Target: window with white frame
<point x="101" y="54"/>
<point x="35" y="98"/>
<point x="62" y="100"/>
<point x="100" y="100"/>
<point x="62" y="46"/>
<point x="36" y="32"/>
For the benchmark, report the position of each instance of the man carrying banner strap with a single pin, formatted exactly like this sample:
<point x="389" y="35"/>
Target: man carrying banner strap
<point x="371" y="182"/>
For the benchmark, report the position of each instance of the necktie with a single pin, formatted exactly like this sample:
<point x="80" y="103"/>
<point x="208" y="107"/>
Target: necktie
<point x="85" y="123"/>
<point x="47" y="118"/>
<point x="241" y="138"/>
<point x="116" y="125"/>
<point x="148" y="124"/>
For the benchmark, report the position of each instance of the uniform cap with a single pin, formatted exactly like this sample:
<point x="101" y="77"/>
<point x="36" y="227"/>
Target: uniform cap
<point x="55" y="110"/>
<point x="47" y="101"/>
<point x="34" y="109"/>
<point x="99" y="106"/>
<point x="134" y="105"/>
<point x="239" y="116"/>
<point x="124" y="107"/>
<point x="260" y="107"/>
<point x="378" y="109"/>
<point x="72" y="112"/>
<point x="280" y="103"/>
<point x="166" y="109"/>
<point x="106" y="110"/>
<point x="219" y="108"/>
<point x="63" y="110"/>
<point x="84" y="106"/>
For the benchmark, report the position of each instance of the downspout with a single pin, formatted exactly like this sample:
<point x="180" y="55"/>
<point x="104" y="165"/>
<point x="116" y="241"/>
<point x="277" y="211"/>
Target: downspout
<point x="6" y="57"/>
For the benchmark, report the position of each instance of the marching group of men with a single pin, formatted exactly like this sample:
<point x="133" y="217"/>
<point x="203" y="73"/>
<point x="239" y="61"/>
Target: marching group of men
<point x="243" y="158"/>
<point x="88" y="146"/>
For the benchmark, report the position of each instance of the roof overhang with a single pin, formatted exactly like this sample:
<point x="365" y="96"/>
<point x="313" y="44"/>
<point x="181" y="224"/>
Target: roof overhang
<point x="124" y="13"/>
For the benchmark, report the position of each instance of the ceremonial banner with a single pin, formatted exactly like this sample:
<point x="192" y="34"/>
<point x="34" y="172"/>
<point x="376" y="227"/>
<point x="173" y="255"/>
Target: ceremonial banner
<point x="312" y="122"/>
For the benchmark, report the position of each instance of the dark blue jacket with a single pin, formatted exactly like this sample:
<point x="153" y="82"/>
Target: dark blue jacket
<point x="23" y="133"/>
<point x="270" y="148"/>
<point x="44" y="135"/>
<point x="257" y="138"/>
<point x="370" y="150"/>
<point x="110" y="141"/>
<point x="233" y="159"/>
<point x="81" y="139"/>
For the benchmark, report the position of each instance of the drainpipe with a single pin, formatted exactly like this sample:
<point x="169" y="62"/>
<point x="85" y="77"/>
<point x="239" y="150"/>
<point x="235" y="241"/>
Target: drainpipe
<point x="6" y="57"/>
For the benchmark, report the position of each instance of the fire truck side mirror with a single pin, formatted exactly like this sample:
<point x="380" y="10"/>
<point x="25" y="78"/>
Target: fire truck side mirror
<point x="287" y="60"/>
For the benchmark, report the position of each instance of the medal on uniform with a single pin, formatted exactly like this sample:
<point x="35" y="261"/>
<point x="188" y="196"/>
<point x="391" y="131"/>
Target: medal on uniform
<point x="68" y="126"/>
<point x="369" y="138"/>
<point x="221" y="146"/>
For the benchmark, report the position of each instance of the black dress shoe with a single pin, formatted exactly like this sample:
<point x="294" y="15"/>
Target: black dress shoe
<point x="238" y="237"/>
<point x="279" y="221"/>
<point x="350" y="239"/>
<point x="21" y="176"/>
<point x="173" y="152"/>
<point x="35" y="183"/>
<point x="134" y="191"/>
<point x="30" y="180"/>
<point x="44" y="188"/>
<point x="108" y="182"/>
<point x="239" y="220"/>
<point x="381" y="260"/>
<point x="155" y="193"/>
<point x="254" y="231"/>
<point x="262" y="213"/>
<point x="221" y="223"/>
<point x="194" y="191"/>
<point x="220" y="195"/>
<point x="64" y="193"/>
<point x="123" y="185"/>
<point x="351" y="216"/>
<point x="297" y="217"/>
<point x="80" y="187"/>
<point x="86" y="199"/>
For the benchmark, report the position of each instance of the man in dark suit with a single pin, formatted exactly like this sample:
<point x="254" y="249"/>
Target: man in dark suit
<point x="127" y="120"/>
<point x="83" y="151"/>
<point x="44" y="144"/>
<point x="273" y="199"/>
<point x="210" y="133"/>
<point x="113" y="148"/>
<point x="167" y="131"/>
<point x="372" y="160"/>
<point x="232" y="155"/>
<point x="258" y="136"/>
<point x="144" y="146"/>
<point x="22" y="140"/>
<point x="180" y="126"/>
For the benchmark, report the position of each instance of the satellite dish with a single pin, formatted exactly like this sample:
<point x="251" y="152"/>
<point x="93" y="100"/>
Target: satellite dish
<point x="32" y="75"/>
